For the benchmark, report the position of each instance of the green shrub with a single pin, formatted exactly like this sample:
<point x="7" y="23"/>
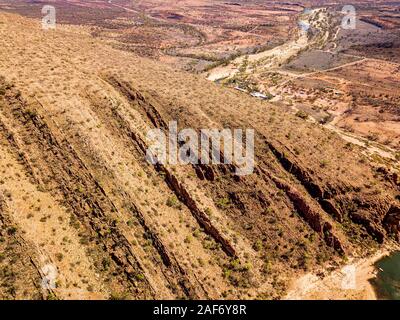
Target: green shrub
<point x="223" y="203"/>
<point x="173" y="202"/>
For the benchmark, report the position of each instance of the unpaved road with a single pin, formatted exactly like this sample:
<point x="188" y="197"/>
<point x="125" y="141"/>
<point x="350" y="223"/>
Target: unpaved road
<point x="305" y="75"/>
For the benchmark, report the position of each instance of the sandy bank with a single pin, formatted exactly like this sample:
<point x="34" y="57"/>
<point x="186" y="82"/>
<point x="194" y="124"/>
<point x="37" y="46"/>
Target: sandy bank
<point x="351" y="282"/>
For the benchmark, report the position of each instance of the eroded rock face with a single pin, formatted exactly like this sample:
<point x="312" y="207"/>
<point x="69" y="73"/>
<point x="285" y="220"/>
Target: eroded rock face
<point x="392" y="221"/>
<point x="312" y="216"/>
<point x="341" y="201"/>
<point x="330" y="207"/>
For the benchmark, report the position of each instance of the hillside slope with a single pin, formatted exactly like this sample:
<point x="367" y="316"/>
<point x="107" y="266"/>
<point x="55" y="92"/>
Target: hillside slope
<point x="74" y="114"/>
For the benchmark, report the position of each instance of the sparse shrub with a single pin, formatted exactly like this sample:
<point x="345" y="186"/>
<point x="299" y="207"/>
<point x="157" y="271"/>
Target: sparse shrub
<point x="11" y="231"/>
<point x="139" y="277"/>
<point x="266" y="266"/>
<point x="188" y="239"/>
<point x="117" y="296"/>
<point x="106" y="262"/>
<point x="223" y="203"/>
<point x="196" y="233"/>
<point x="173" y="202"/>
<point x="31" y="113"/>
<point x="258" y="245"/>
<point x="302" y="114"/>
<point x="323" y="163"/>
<point x="59" y="256"/>
<point x="51" y="296"/>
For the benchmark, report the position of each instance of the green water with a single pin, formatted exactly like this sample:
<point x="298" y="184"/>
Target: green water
<point x="387" y="282"/>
